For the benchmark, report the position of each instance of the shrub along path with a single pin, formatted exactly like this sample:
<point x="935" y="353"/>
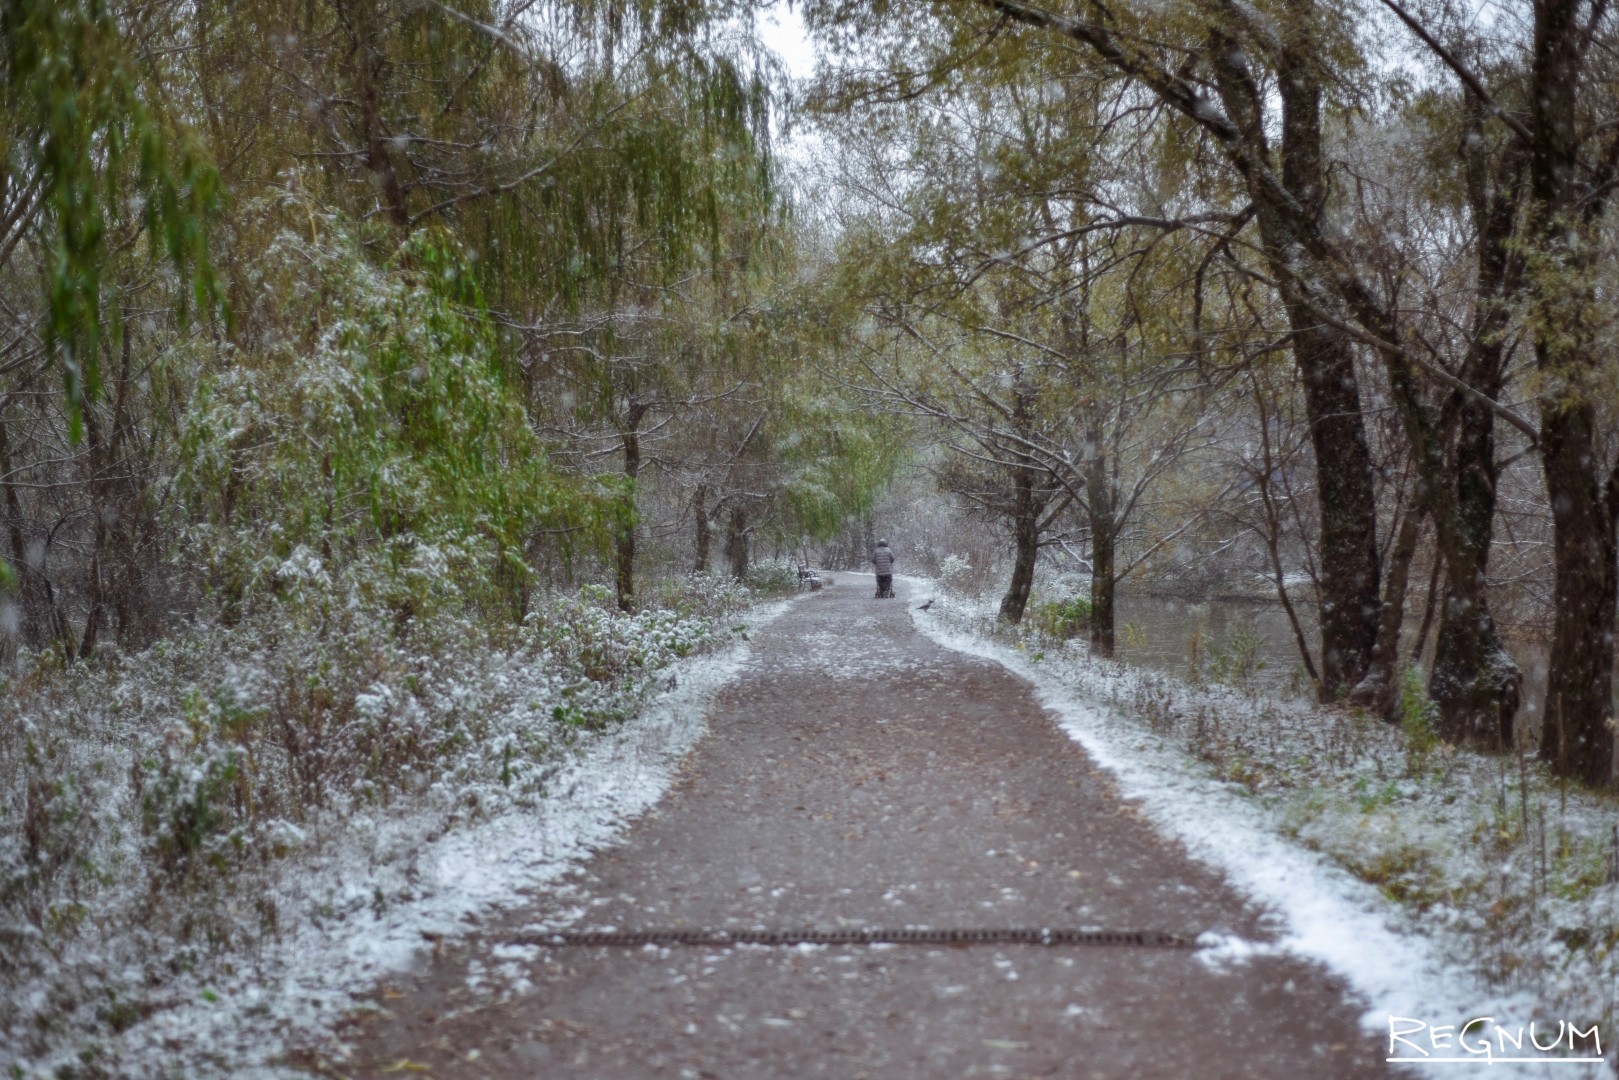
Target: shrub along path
<point x="856" y="774"/>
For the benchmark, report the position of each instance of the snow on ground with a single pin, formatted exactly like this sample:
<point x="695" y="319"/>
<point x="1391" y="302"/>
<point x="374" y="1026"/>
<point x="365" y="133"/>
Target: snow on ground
<point x="300" y="988"/>
<point x="1321" y="911"/>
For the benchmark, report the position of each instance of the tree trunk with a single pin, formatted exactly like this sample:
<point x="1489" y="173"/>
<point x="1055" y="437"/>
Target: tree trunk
<point x="1026" y="546"/>
<point x="1100" y="500"/>
<point x="1346" y="498"/>
<point x="1380" y="687"/>
<point x="699" y="510"/>
<point x="377" y="157"/>
<point x="1102" y="584"/>
<point x="736" y="541"/>
<point x="95" y="596"/>
<point x="1345" y="495"/>
<point x="1576" y="738"/>
<point x="624" y="542"/>
<point x="1350" y="605"/>
<point x="1475" y="684"/>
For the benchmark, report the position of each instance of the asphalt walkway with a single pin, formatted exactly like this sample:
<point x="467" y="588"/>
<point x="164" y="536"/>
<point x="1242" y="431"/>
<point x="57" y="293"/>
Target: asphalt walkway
<point x="856" y="774"/>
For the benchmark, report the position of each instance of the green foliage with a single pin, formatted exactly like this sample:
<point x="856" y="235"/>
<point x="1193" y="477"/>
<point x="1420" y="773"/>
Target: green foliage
<point x="699" y="595"/>
<point x="1419" y="720"/>
<point x="85" y="136"/>
<point x="1067" y="618"/>
<point x="1238" y="658"/>
<point x="186" y="807"/>
<point x="838" y="465"/>
<point x="772" y="578"/>
<point x="369" y="437"/>
<point x="674" y="165"/>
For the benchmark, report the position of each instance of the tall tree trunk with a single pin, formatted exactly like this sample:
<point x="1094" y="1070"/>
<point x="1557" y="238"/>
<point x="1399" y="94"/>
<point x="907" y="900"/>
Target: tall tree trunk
<point x="1475" y="684"/>
<point x="1380" y="688"/>
<point x="1349" y="572"/>
<point x="736" y="541"/>
<point x="1102" y="588"/>
<point x="699" y="511"/>
<point x="1026" y="545"/>
<point x="624" y="541"/>
<point x="1345" y="494"/>
<point x="1100" y="503"/>
<point x="100" y="508"/>
<point x="1576" y="736"/>
<point x="1347" y="505"/>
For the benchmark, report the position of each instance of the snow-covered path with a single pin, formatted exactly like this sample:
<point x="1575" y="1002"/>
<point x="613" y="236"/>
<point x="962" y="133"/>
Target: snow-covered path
<point x="856" y="773"/>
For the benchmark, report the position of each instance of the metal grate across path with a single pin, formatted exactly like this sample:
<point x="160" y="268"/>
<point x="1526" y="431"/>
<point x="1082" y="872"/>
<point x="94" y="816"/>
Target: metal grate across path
<point x="1155" y="939"/>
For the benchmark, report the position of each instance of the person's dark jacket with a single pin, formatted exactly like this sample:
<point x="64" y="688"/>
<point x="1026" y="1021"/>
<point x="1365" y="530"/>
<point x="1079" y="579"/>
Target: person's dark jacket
<point x="883" y="559"/>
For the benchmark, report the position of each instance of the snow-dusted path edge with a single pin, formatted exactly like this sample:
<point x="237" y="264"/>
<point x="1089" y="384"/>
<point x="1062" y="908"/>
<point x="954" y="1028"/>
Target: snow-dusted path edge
<point x="297" y="993"/>
<point x="1320" y="910"/>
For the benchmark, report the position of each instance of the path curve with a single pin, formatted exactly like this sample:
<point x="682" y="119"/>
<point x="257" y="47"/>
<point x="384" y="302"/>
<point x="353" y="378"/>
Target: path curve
<point x="857" y="774"/>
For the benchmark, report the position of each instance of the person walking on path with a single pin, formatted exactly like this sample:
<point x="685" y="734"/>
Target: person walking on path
<point x="883" y="560"/>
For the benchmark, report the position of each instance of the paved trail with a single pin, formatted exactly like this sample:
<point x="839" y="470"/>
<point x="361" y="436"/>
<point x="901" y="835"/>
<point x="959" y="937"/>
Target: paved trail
<point x="857" y="774"/>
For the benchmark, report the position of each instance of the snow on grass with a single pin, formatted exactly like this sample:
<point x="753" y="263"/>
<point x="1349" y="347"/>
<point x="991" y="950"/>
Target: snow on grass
<point x="368" y="890"/>
<point x="1373" y="864"/>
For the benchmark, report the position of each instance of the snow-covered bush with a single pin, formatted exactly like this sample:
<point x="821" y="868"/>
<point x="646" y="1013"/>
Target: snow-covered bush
<point x="359" y="485"/>
<point x="705" y="594"/>
<point x="955" y="572"/>
<point x="146" y="801"/>
<point x="777" y="576"/>
<point x="365" y="440"/>
<point x="1062" y="619"/>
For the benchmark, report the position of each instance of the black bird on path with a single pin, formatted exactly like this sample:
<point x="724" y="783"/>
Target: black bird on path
<point x="925" y="606"/>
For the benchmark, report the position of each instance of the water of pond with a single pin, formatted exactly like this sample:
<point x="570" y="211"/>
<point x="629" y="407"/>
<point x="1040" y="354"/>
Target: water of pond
<point x="1256" y="646"/>
<point x="1166" y="634"/>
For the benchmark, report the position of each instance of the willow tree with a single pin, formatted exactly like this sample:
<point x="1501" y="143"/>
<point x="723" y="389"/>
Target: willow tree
<point x="605" y="167"/>
<point x="106" y="201"/>
<point x="664" y="222"/>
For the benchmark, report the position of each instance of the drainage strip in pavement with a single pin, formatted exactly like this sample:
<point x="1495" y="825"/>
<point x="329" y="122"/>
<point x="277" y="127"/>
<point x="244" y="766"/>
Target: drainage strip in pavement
<point x="864" y="936"/>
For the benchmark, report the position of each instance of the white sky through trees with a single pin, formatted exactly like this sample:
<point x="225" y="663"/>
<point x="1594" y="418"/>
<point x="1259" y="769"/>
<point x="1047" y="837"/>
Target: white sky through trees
<point x="782" y="29"/>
